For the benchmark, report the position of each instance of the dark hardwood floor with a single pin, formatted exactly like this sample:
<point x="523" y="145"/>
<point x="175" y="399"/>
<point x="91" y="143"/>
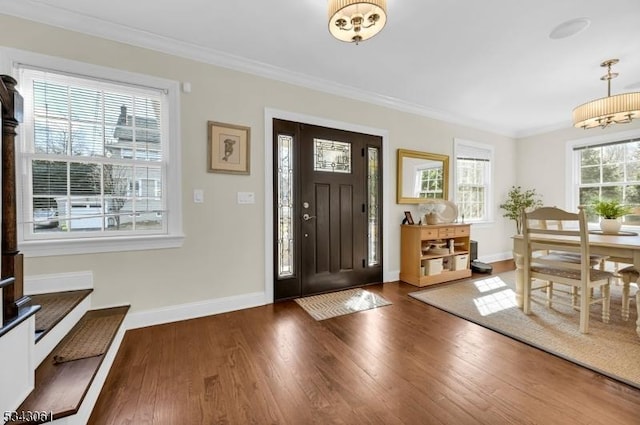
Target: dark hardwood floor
<point x="408" y="363"/>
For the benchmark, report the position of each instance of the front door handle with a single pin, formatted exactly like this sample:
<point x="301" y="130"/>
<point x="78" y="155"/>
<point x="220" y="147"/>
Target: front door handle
<point x="307" y="217"/>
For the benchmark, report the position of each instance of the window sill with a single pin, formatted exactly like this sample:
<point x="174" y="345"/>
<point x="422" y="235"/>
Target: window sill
<point x="99" y="245"/>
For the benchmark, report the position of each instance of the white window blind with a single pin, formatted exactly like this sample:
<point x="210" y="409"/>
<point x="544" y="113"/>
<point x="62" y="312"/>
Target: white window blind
<point x="94" y="157"/>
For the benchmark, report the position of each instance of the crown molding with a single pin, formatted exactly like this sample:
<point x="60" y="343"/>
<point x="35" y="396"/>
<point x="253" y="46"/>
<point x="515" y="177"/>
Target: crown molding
<point x="69" y="20"/>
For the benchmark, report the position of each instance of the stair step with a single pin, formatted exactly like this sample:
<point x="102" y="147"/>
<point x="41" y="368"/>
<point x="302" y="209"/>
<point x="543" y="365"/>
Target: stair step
<point x="54" y="307"/>
<point x="61" y="387"/>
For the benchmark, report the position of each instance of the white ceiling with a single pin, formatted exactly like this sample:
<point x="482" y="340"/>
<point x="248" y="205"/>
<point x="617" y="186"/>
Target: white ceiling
<point x="486" y="63"/>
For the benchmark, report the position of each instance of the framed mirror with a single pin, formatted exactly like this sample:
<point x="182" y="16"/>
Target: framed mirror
<point x="421" y="176"/>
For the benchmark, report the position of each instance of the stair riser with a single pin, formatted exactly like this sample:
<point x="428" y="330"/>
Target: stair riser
<point x="60" y="282"/>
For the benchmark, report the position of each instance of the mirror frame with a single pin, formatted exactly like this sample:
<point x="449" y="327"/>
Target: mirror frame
<point x="405" y="153"/>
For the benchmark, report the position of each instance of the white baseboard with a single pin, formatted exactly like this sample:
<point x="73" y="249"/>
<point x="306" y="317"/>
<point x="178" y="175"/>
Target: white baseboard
<point x="496" y="257"/>
<point x="194" y="310"/>
<point x="44" y="284"/>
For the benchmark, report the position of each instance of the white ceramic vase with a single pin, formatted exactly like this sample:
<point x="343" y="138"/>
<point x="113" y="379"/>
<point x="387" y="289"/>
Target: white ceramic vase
<point x="610" y="225"/>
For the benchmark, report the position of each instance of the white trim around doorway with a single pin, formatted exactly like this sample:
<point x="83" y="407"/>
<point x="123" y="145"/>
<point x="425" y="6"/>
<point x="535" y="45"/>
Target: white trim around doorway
<point x="269" y="115"/>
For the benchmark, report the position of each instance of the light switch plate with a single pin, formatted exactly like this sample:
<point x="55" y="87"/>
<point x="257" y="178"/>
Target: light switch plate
<point x="198" y="196"/>
<point x="246" y="198"/>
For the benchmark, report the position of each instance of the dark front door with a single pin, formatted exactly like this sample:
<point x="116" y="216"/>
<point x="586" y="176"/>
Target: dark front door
<point x="334" y="214"/>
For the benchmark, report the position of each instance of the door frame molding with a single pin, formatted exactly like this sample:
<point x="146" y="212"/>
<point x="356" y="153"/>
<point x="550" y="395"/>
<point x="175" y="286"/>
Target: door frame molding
<point x="269" y="115"/>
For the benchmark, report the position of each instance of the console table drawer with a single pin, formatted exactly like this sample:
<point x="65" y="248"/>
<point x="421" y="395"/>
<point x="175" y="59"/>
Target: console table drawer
<point x="462" y="231"/>
<point x="447" y="232"/>
<point x="429" y="234"/>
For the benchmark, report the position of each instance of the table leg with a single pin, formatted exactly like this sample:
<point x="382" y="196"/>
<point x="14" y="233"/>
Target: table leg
<point x="519" y="260"/>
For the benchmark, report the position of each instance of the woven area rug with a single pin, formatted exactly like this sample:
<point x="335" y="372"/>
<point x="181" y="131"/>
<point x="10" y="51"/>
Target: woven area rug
<point x="612" y="349"/>
<point x="90" y="338"/>
<point x="326" y="306"/>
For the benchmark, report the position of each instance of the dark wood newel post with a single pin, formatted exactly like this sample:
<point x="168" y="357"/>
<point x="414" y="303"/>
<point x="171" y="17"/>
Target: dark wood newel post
<point x="13" y="294"/>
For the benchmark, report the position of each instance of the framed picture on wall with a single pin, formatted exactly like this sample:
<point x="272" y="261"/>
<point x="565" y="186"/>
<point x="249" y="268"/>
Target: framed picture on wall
<point x="228" y="148"/>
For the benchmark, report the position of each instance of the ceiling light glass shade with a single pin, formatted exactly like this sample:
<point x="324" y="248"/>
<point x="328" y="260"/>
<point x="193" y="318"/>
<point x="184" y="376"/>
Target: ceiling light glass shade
<point x="354" y="21"/>
<point x="618" y="109"/>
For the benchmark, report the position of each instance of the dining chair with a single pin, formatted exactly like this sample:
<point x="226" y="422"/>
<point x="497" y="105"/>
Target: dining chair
<point x="565" y="241"/>
<point x="628" y="275"/>
<point x="574" y="257"/>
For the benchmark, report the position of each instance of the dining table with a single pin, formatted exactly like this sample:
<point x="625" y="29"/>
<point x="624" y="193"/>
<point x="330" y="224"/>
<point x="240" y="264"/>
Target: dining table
<point x="623" y="247"/>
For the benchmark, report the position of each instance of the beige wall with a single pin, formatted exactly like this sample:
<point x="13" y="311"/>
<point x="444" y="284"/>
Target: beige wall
<point x="223" y="254"/>
<point x="542" y="159"/>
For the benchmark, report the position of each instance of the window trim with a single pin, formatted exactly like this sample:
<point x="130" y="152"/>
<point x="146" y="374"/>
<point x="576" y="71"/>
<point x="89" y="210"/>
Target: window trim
<point x="572" y="167"/>
<point x="489" y="205"/>
<point x="11" y="59"/>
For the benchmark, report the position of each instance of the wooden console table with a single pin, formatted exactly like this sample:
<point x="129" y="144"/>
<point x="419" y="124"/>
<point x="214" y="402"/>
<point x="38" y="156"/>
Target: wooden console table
<point x="414" y="263"/>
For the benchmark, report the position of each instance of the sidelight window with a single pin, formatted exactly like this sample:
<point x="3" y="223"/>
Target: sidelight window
<point x="285" y="206"/>
<point x="373" y="196"/>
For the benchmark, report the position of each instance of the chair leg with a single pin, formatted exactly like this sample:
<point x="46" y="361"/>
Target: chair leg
<point x="638" y="308"/>
<point x="626" y="280"/>
<point x="549" y="294"/>
<point x="606" y="302"/>
<point x="526" y="296"/>
<point x="574" y="297"/>
<point x="584" y="309"/>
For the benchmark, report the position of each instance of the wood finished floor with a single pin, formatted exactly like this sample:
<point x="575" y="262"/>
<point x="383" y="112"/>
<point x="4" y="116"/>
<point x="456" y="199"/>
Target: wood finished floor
<point x="408" y="363"/>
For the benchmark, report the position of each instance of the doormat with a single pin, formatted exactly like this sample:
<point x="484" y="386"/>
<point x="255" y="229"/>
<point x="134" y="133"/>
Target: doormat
<point x="326" y="306"/>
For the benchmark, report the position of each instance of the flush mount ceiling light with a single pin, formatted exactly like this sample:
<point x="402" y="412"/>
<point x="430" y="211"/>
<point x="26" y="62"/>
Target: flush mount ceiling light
<point x="618" y="109"/>
<point x="354" y="21"/>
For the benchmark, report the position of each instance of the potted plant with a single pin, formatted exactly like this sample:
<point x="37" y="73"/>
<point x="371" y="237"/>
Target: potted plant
<point x="517" y="201"/>
<point x="610" y="213"/>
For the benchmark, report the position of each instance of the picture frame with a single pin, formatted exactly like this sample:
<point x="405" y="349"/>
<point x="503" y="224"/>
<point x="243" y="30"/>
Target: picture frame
<point x="408" y="217"/>
<point x="228" y="148"/>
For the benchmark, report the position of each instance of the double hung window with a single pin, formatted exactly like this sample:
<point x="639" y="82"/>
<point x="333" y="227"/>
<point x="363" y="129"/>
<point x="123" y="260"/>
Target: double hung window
<point x="98" y="161"/>
<point x="473" y="171"/>
<point x="608" y="171"/>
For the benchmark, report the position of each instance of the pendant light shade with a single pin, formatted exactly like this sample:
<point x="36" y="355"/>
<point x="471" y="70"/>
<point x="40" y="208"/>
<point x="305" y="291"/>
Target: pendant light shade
<point x="618" y="109"/>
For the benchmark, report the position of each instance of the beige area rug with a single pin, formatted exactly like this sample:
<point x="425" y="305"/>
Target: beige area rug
<point x="612" y="349"/>
<point x="326" y="306"/>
